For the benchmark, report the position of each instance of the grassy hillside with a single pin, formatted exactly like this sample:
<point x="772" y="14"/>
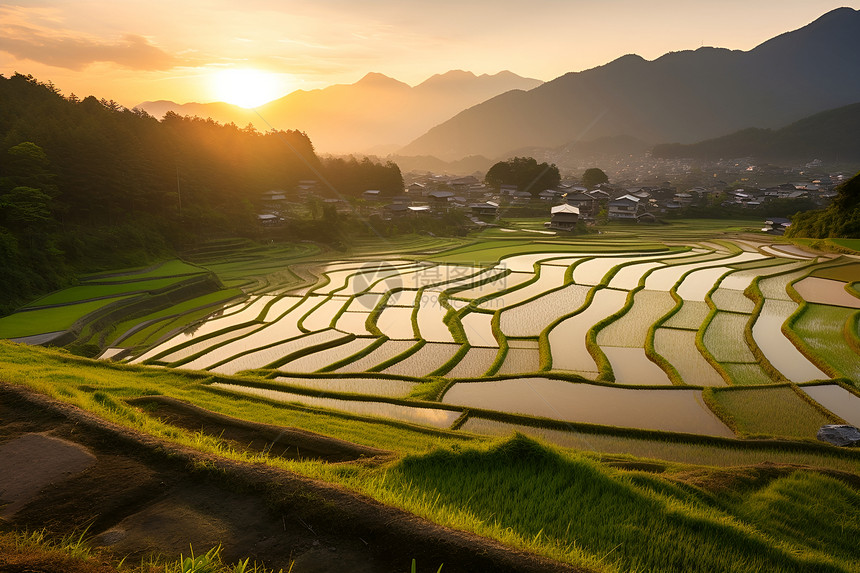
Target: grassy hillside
<point x="602" y="512"/>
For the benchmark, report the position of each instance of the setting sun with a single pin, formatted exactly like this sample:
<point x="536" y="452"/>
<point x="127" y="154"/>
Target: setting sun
<point x="247" y="88"/>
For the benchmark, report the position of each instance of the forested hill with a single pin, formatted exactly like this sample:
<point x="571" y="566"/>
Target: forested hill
<point x="840" y="219"/>
<point x="86" y="183"/>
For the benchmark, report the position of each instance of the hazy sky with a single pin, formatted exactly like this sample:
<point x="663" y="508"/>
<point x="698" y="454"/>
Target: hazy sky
<point x="131" y="51"/>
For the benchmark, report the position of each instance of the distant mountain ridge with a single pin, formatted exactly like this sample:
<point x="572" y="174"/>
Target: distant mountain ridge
<point x="682" y="96"/>
<point x="830" y="136"/>
<point x="375" y="112"/>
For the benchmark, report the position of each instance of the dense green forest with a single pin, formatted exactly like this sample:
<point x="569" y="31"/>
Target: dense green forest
<point x="88" y="184"/>
<point x="840" y="219"/>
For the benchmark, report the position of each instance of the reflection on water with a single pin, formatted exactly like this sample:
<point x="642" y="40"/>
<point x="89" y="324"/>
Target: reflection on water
<point x="567" y="339"/>
<point x="778" y="349"/>
<point x="679" y="348"/>
<point x="674" y="410"/>
<point x="632" y="366"/>
<point x="368" y="386"/>
<point x="838" y="400"/>
<point x="826" y="291"/>
<point x="415" y="415"/>
<point x="323" y="358"/>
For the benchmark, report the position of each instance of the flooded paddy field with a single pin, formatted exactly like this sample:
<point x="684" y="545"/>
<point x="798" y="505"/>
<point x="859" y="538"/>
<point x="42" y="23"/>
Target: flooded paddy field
<point x="673" y="410"/>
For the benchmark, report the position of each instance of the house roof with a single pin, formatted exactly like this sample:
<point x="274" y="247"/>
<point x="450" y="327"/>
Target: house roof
<point x="565" y="208"/>
<point x="579" y="197"/>
<point x="627" y="198"/>
<point x="440" y="194"/>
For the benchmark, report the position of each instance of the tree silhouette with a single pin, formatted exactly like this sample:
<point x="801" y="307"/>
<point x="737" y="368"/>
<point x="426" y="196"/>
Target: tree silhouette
<point x="524" y="172"/>
<point x="594" y="177"/>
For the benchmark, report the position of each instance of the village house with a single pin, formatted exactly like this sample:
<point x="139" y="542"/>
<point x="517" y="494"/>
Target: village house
<point x="626" y="207"/>
<point x="582" y="201"/>
<point x="486" y="209"/>
<point x="439" y="199"/>
<point x="563" y="217"/>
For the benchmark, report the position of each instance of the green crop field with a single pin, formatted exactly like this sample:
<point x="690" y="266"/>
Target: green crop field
<point x="769" y="412"/>
<point x="40" y="321"/>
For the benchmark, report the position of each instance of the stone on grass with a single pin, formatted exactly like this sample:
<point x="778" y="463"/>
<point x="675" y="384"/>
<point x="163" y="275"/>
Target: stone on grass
<point x="839" y="435"/>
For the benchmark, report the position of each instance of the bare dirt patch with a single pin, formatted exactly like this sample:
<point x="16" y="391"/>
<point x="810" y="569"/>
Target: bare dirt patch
<point x="141" y="495"/>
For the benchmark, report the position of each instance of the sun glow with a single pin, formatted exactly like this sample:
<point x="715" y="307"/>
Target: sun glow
<point x="248" y="88"/>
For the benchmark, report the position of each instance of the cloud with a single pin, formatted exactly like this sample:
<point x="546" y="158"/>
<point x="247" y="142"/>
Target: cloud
<point x="76" y="53"/>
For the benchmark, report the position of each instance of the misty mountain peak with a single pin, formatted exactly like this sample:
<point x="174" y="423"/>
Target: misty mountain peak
<point x="377" y="80"/>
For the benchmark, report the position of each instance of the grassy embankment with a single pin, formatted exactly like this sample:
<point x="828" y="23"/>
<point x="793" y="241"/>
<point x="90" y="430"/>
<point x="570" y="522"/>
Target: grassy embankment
<point x="602" y="516"/>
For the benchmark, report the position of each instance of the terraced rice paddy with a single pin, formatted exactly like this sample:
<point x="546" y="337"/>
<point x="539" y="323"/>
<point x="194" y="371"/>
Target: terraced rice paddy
<point x="821" y="333"/>
<point x="567" y="339"/>
<point x="478" y="328"/>
<point x="690" y="316"/>
<point x="770" y="412"/>
<point x="266" y="356"/>
<point x="631" y="329"/>
<point x="391" y="387"/>
<point x="632" y="366"/>
<point x="425" y="361"/>
<point x="779" y="351"/>
<point x="679" y="348"/>
<point x="395" y="322"/>
<point x="321" y="316"/>
<point x="723" y="338"/>
<point x="838" y="400"/>
<point x="657" y="449"/>
<point x="592" y="272"/>
<point x="321" y="359"/>
<point x="504" y="282"/>
<point x="430" y="317"/>
<point x="749" y="374"/>
<point x="474" y="364"/>
<point x="665" y="279"/>
<point x="671" y="318"/>
<point x="732" y="300"/>
<point x="521" y="357"/>
<point x="826" y="291"/>
<point x="669" y="410"/>
<point x="381" y="354"/>
<point x="211" y="342"/>
<point x="550" y="277"/>
<point x="532" y="317"/>
<point x="354" y="322"/>
<point x="425" y="416"/>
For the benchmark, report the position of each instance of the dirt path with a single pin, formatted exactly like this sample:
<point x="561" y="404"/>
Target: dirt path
<point x="141" y="495"/>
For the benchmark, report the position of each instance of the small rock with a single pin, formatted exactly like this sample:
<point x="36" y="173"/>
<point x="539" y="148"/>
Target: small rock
<point x="839" y="435"/>
<point x="112" y="536"/>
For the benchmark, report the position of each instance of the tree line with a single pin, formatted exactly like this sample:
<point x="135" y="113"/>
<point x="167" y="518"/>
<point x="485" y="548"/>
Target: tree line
<point x="87" y="184"/>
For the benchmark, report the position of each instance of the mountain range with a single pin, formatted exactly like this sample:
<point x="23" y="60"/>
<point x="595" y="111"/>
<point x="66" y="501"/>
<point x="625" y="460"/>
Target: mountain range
<point x="377" y="114"/>
<point x="681" y="97"/>
<point x="829" y="136"/>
